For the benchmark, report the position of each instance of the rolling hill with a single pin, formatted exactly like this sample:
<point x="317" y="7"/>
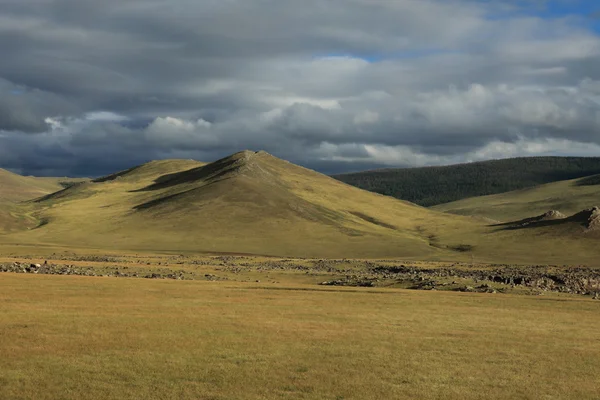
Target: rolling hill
<point x="246" y="203"/>
<point x="254" y="203"/>
<point x="431" y="186"/>
<point x="15" y="188"/>
<point x="567" y="197"/>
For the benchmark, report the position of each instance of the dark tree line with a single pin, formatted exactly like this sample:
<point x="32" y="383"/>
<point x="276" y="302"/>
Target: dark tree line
<point x="429" y="186"/>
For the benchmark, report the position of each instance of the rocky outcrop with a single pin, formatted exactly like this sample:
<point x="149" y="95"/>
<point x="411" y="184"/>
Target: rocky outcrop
<point x="589" y="218"/>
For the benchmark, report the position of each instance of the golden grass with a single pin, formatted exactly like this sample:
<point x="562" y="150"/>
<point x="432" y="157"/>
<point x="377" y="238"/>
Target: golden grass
<point x="568" y="197"/>
<point x="248" y="203"/>
<point x="17" y="188"/>
<point x="109" y="338"/>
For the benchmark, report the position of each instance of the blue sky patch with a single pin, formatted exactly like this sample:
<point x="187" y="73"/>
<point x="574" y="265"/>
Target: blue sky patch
<point x="587" y="10"/>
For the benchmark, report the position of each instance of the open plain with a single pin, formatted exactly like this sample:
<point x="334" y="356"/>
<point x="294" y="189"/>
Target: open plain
<point x="75" y="337"/>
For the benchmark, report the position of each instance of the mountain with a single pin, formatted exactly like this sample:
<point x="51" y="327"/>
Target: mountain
<point x="250" y="202"/>
<point x="431" y="186"/>
<point x="567" y="197"/>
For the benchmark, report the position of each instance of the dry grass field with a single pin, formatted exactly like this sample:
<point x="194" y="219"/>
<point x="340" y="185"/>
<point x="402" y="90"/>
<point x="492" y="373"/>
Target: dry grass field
<point x="109" y="338"/>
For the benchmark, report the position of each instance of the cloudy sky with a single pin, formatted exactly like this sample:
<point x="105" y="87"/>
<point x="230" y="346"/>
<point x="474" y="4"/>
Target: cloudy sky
<point x="90" y="87"/>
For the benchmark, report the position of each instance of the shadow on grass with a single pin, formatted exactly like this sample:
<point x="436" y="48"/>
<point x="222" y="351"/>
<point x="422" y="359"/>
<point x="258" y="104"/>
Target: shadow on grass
<point x="209" y="172"/>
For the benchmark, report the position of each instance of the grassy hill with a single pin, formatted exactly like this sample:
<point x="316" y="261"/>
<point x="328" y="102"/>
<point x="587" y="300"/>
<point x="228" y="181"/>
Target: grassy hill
<point x="567" y="197"/>
<point x="15" y="188"/>
<point x="430" y="186"/>
<point x="254" y="203"/>
<point x="246" y="203"/>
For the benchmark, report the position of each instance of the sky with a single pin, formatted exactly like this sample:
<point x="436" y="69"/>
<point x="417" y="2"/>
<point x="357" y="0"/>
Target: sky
<point x="91" y="87"/>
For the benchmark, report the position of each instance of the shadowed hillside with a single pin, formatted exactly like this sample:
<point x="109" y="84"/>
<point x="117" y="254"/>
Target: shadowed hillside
<point x="430" y="186"/>
<point x="151" y="169"/>
<point x="585" y="222"/>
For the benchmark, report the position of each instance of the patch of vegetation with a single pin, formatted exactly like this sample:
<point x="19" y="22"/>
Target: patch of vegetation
<point x="436" y="185"/>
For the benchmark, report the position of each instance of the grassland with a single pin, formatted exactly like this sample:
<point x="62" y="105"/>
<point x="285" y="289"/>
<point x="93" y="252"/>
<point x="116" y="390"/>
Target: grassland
<point x="15" y="188"/>
<point x="109" y="338"/>
<point x="568" y="197"/>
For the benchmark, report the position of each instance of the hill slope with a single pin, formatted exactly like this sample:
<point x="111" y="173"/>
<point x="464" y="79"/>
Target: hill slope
<point x="16" y="188"/>
<point x="567" y="197"/>
<point x="256" y="203"/>
<point x="430" y="186"/>
<point x="246" y="203"/>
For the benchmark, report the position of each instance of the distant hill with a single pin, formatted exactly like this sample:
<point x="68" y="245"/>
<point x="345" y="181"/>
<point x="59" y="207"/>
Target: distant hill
<point x="566" y="197"/>
<point x="15" y="188"/>
<point x="430" y="186"/>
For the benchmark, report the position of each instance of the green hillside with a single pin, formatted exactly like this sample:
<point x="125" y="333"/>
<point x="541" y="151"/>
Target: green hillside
<point x="430" y="186"/>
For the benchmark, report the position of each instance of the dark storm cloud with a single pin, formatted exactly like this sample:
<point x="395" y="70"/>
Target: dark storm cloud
<point x="25" y="109"/>
<point x="87" y="87"/>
